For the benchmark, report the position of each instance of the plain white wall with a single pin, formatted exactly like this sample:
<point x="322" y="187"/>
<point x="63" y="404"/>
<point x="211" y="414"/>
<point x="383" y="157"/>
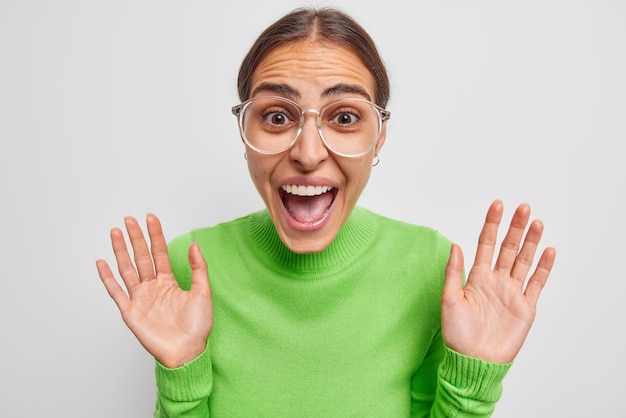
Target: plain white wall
<point x="119" y="108"/>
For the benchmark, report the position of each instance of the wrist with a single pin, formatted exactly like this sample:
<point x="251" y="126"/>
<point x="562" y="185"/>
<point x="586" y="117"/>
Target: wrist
<point x="185" y="353"/>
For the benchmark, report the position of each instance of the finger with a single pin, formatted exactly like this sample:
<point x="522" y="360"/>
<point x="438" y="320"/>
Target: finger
<point x="489" y="234"/>
<point x="199" y="269"/>
<point x="525" y="257"/>
<point x="540" y="276"/>
<point x="124" y="263"/>
<point x="158" y="245"/>
<point x="143" y="259"/>
<point x="454" y="274"/>
<point x="511" y="242"/>
<point x="112" y="286"/>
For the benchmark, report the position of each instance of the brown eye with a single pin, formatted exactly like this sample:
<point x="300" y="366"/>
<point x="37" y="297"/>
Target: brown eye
<point x="277" y="118"/>
<point x="345" y="118"/>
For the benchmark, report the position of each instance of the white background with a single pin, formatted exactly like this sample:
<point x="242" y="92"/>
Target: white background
<point x="116" y="108"/>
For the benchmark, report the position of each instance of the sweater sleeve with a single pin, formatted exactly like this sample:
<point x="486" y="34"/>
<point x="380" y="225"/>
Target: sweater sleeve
<point x="467" y="387"/>
<point x="184" y="391"/>
<point x="451" y="385"/>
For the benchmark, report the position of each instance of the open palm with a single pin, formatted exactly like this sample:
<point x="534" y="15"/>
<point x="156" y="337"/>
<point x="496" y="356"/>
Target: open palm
<point x="490" y="317"/>
<point x="172" y="324"/>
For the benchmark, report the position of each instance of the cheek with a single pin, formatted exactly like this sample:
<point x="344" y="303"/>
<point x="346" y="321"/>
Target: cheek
<point x="359" y="172"/>
<point x="253" y="169"/>
<point x="260" y="170"/>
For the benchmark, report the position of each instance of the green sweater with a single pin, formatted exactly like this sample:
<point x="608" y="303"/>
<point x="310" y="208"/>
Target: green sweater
<point x="352" y="331"/>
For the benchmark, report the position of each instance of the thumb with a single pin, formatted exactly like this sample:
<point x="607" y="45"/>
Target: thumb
<point x="199" y="268"/>
<point x="454" y="271"/>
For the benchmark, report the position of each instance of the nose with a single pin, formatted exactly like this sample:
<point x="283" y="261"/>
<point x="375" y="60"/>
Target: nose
<point x="309" y="151"/>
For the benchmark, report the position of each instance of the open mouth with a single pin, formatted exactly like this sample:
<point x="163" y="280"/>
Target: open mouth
<point x="307" y="204"/>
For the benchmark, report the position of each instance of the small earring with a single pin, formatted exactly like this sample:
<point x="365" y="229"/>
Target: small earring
<point x="245" y="156"/>
<point x="376" y="160"/>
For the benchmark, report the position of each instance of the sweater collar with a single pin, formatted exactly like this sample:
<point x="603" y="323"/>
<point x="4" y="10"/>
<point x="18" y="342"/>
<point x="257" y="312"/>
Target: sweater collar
<point x="355" y="235"/>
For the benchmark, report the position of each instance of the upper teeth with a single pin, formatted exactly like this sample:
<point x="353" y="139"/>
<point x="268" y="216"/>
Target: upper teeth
<point x="306" y="190"/>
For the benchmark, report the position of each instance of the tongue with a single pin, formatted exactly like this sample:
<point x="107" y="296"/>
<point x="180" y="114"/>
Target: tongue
<point x="307" y="209"/>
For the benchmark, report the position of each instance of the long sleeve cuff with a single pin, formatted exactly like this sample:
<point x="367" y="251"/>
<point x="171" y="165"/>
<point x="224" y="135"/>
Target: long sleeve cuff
<point x="472" y="378"/>
<point x="189" y="382"/>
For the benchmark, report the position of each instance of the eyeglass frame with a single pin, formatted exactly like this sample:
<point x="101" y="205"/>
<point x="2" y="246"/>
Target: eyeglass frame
<point x="383" y="116"/>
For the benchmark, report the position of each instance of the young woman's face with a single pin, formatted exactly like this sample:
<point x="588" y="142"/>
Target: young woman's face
<point x="311" y="74"/>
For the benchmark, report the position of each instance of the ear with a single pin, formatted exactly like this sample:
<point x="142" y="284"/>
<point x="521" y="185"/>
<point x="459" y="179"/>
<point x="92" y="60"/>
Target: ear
<point x="381" y="140"/>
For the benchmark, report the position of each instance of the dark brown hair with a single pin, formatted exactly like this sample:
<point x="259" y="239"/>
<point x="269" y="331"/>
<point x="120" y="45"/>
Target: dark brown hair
<point x="325" y="24"/>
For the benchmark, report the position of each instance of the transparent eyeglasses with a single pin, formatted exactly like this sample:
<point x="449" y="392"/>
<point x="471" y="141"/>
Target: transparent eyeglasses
<point x="348" y="127"/>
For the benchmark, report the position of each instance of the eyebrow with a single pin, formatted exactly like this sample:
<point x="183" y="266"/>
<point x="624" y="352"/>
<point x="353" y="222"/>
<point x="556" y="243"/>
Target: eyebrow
<point x="281" y="89"/>
<point x="338" y="89"/>
<point x="286" y="90"/>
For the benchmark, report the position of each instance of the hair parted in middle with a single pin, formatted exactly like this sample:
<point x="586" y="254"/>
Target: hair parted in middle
<point x="324" y="24"/>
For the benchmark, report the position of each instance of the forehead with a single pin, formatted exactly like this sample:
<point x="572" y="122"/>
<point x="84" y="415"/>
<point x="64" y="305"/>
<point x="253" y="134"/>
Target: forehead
<point x="310" y="68"/>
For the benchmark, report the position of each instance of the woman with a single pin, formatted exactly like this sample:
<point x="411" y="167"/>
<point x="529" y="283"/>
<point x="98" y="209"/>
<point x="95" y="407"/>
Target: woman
<point x="318" y="307"/>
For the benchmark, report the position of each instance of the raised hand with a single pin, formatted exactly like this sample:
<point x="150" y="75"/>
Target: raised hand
<point x="490" y="317"/>
<point x="172" y="324"/>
